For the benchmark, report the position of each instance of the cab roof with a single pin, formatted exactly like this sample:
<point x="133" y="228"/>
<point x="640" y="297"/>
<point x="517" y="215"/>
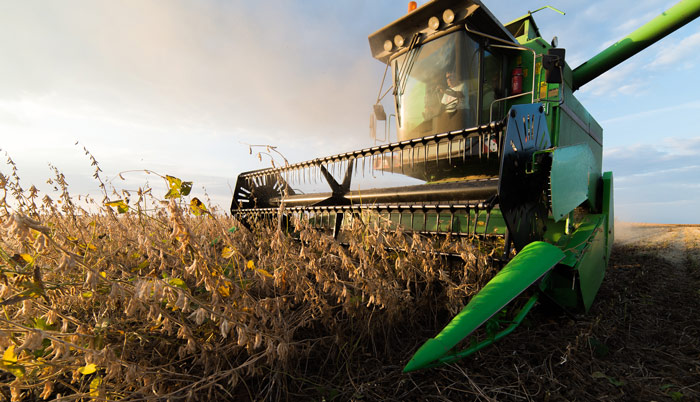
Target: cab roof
<point x="471" y="12"/>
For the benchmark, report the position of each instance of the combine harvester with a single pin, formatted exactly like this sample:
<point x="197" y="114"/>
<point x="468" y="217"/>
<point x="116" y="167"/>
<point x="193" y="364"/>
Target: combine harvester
<point x="495" y="144"/>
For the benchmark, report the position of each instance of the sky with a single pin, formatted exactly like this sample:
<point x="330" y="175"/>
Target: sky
<point x="183" y="87"/>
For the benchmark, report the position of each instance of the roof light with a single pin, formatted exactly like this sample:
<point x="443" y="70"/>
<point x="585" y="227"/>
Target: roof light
<point x="448" y="16"/>
<point x="412" y="5"/>
<point x="398" y="40"/>
<point x="388" y="45"/>
<point x="434" y="23"/>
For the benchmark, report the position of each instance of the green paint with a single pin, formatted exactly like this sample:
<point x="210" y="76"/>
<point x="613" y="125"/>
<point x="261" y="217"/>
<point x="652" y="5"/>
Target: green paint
<point x="583" y="268"/>
<point x="510" y="328"/>
<point x="670" y="20"/>
<point x="569" y="178"/>
<point x="591" y="268"/>
<point x="608" y="204"/>
<point x="528" y="266"/>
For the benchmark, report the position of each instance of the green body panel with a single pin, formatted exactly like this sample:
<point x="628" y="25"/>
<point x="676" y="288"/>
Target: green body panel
<point x="670" y="20"/>
<point x="523" y="28"/>
<point x="569" y="122"/>
<point x="576" y="126"/>
<point x="479" y="222"/>
<point x="473" y="222"/>
<point x="586" y="257"/>
<point x="525" y="60"/>
<point x="530" y="264"/>
<point x="591" y="267"/>
<point x="561" y="287"/>
<point x="570" y="178"/>
<point x="608" y="204"/>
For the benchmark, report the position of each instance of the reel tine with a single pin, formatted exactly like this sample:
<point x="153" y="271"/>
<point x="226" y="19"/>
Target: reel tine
<point x="449" y="152"/>
<point x="488" y="145"/>
<point x="425" y="160"/>
<point x="437" y="153"/>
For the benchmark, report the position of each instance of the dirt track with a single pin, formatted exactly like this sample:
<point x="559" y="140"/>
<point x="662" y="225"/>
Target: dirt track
<point x="679" y="242"/>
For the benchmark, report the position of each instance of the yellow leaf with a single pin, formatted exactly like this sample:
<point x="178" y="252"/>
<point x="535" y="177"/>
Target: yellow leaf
<point x="87" y="294"/>
<point x="198" y="207"/>
<point x="224" y="290"/>
<point x="177" y="187"/>
<point x="9" y="362"/>
<point x="227" y="252"/>
<point x="177" y="282"/>
<point x="94" y="384"/>
<point x="9" y="356"/>
<point x="172" y="193"/>
<point x="173" y="182"/>
<point x="120" y="205"/>
<point x="87" y="369"/>
<point x="87" y="246"/>
<point x="143" y="265"/>
<point x="265" y="273"/>
<point x="27" y="257"/>
<point x="250" y="264"/>
<point x="103" y="274"/>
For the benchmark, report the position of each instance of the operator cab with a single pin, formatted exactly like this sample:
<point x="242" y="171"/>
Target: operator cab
<point x="445" y="84"/>
<point x="447" y="69"/>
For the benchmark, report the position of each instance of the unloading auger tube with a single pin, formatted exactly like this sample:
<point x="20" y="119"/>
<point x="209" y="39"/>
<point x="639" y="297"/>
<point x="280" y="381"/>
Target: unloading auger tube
<point x="495" y="143"/>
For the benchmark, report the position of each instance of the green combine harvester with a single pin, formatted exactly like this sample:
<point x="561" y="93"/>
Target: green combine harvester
<point x="491" y="143"/>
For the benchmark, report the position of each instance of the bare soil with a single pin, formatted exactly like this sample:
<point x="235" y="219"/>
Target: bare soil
<point x="639" y="342"/>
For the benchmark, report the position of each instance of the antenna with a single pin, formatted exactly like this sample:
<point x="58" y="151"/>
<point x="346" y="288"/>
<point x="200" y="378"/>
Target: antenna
<point x="549" y="7"/>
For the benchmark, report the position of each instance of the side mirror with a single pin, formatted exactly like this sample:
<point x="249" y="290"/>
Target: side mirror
<point x="378" y="114"/>
<point x="553" y="63"/>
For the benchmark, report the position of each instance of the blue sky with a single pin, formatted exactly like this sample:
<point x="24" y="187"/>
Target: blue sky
<point x="179" y="87"/>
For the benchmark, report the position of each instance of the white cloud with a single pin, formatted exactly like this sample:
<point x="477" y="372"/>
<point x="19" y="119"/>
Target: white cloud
<point x="684" y="107"/>
<point x="631" y="24"/>
<point x="202" y="64"/>
<point x="649" y="176"/>
<point x="609" y="83"/>
<point x="676" y="52"/>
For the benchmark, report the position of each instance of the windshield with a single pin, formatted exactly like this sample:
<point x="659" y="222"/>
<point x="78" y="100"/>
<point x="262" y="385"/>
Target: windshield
<point x="440" y="91"/>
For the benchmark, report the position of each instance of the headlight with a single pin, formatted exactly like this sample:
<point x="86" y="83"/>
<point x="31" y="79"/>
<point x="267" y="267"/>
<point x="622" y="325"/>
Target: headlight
<point x="448" y="16"/>
<point x="434" y="23"/>
<point x="388" y="45"/>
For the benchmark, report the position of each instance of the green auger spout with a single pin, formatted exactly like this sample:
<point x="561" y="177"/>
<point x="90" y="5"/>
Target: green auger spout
<point x="667" y="22"/>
